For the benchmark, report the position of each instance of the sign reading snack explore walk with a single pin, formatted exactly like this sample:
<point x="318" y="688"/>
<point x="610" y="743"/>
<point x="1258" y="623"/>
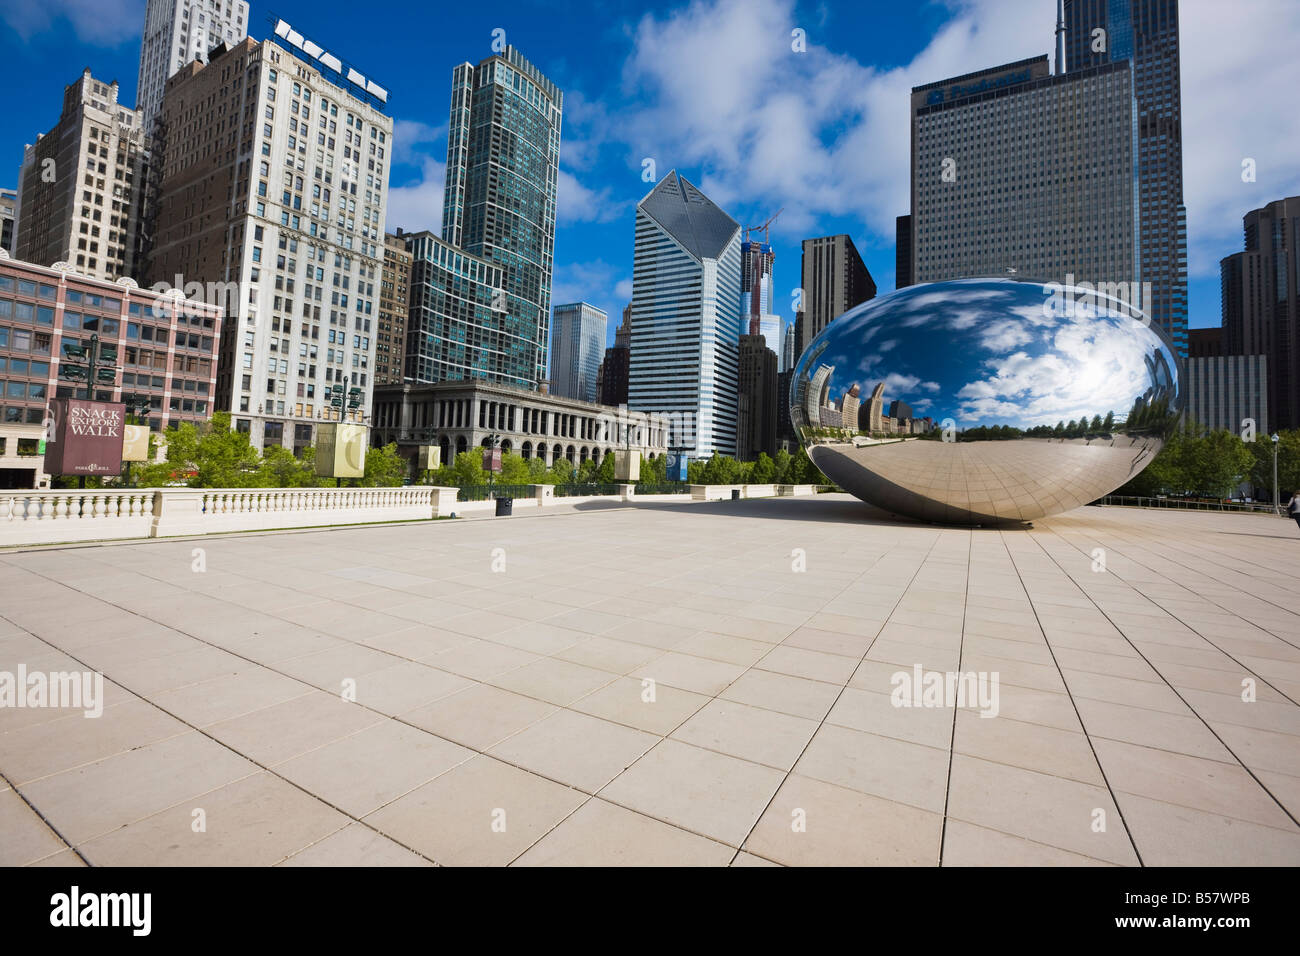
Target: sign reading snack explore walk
<point x="341" y="450"/>
<point x="87" y="437"/>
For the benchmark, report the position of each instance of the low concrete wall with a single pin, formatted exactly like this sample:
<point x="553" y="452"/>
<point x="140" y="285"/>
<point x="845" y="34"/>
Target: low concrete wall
<point x="50" y="517"/>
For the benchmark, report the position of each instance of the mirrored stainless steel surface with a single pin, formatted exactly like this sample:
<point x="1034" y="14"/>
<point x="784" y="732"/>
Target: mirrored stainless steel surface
<point x="981" y="401"/>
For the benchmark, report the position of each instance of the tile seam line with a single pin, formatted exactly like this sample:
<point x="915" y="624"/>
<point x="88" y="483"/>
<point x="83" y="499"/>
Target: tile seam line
<point x="952" y="735"/>
<point x="1165" y="611"/>
<point x="1143" y="564"/>
<point x="398" y="719"/>
<point x="264" y="767"/>
<point x="716" y="696"/>
<point x="1078" y="716"/>
<point x="937" y="536"/>
<point x="52" y="828"/>
<point x="1175" y="690"/>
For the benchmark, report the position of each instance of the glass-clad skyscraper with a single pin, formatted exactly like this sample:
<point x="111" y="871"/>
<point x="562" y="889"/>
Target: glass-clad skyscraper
<point x="686" y="320"/>
<point x="455" y="327"/>
<point x="1146" y="32"/>
<point x="577" y="346"/>
<point x="503" y="160"/>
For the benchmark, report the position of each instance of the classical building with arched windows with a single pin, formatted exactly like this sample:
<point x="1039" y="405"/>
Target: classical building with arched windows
<point x="458" y="416"/>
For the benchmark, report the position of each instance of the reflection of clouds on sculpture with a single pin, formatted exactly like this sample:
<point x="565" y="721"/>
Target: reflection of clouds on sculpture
<point x="1090" y="361"/>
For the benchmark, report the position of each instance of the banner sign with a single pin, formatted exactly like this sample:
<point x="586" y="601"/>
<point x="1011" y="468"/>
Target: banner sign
<point x="429" y="458"/>
<point x="135" y="443"/>
<point x="87" y="437"/>
<point x="340" y="450"/>
<point x="492" y="459"/>
<point x="627" y="465"/>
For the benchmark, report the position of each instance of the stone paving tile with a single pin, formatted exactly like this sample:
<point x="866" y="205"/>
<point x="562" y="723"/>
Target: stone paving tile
<point x="1118" y="691"/>
<point x="355" y="845"/>
<point x="604" y="834"/>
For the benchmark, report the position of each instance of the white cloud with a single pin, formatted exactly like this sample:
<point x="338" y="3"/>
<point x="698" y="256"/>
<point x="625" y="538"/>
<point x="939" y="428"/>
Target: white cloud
<point x="105" y="23"/>
<point x="817" y="132"/>
<point x="1238" y="103"/>
<point x="410" y="134"/>
<point x="576" y="203"/>
<point x="826" y="135"/>
<point x="418" y="205"/>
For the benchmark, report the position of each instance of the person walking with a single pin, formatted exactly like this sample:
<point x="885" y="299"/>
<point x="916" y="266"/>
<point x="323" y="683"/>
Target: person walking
<point x="1293" y="508"/>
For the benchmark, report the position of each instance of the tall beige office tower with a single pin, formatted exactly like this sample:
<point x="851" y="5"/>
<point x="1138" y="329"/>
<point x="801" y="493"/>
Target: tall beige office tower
<point x="176" y="32"/>
<point x="79" y="189"/>
<point x="835" y="279"/>
<point x="274" y="180"/>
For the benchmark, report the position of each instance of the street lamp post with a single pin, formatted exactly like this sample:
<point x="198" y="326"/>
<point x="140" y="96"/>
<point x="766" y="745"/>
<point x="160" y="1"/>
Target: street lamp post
<point x="136" y="407"/>
<point x="344" y="399"/>
<point x="1277" y="505"/>
<point x="493" y="440"/>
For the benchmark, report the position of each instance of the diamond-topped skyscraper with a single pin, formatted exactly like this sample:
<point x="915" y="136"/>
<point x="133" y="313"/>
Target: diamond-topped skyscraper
<point x="503" y="162"/>
<point x="1146" y="32"/>
<point x="686" y="320"/>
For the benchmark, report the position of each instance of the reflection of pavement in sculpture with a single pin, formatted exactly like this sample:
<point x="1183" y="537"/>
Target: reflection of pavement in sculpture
<point x="984" y="482"/>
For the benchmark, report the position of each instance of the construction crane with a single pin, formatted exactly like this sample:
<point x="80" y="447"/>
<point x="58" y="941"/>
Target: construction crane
<point x="764" y="228"/>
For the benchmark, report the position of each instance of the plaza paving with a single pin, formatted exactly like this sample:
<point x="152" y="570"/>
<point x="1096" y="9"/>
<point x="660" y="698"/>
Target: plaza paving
<point x="501" y="712"/>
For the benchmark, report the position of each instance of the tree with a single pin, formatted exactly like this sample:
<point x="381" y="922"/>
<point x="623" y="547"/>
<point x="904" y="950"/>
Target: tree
<point x="561" y="471"/>
<point x="587" y="471"/>
<point x="208" y="456"/>
<point x="781" y="467"/>
<point x="537" y="472"/>
<point x="282" y="469"/>
<point x="514" y="470"/>
<point x="763" y="471"/>
<point x="605" y="474"/>
<point x="385" y="468"/>
<point x="1217" y="462"/>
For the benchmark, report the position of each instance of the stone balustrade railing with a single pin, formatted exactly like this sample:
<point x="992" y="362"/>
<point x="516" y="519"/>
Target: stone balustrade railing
<point x="58" y="517"/>
<point x="48" y="517"/>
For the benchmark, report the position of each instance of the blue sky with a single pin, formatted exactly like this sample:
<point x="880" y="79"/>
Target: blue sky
<point x="714" y="89"/>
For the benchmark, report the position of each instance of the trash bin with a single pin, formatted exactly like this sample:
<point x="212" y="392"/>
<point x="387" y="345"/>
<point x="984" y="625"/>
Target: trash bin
<point x="505" y="506"/>
<point x="735" y="494"/>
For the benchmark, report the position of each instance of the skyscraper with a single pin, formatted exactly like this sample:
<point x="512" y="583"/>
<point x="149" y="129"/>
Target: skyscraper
<point x="1146" y="32"/>
<point x="394" y="301"/>
<point x="8" y="216"/>
<point x="577" y="346"/>
<point x="835" y="279"/>
<point x="455" y="323"/>
<point x="756" y="408"/>
<point x="177" y="31"/>
<point x="1261" y="303"/>
<point x="787" y="348"/>
<point x="903" y="252"/>
<point x="288" y="226"/>
<point x="686" y="321"/>
<point x="503" y="161"/>
<point x="1018" y="170"/>
<point x="614" y="369"/>
<point x="79" y="189"/>
<point x="756" y="294"/>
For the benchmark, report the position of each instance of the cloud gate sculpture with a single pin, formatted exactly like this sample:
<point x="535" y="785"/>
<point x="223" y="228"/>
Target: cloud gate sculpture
<point x="980" y="401"/>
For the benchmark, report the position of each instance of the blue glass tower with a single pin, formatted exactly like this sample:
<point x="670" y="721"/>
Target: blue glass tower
<point x="503" y="163"/>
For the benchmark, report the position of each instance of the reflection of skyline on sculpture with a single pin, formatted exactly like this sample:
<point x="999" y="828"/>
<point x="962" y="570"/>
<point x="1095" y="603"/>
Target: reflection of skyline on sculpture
<point x="982" y="399"/>
<point x="1035" y="366"/>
